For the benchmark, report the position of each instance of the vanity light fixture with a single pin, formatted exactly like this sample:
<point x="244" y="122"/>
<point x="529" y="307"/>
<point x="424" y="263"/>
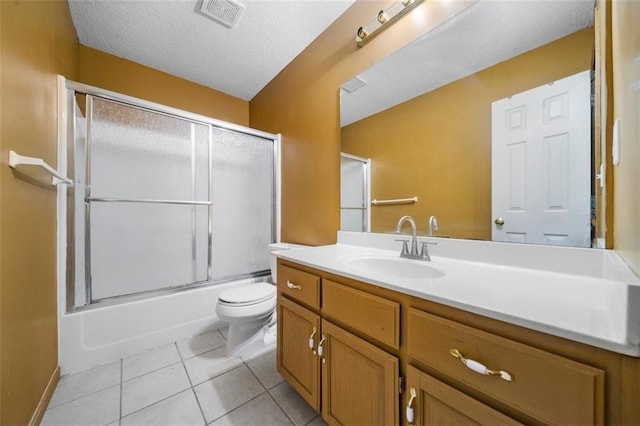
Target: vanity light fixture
<point x="384" y="19"/>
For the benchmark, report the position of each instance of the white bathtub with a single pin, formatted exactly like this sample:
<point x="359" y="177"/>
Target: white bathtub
<point x="98" y="336"/>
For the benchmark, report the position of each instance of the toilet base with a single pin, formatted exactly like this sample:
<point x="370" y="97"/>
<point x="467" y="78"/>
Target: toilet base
<point x="264" y="340"/>
<point x="246" y="338"/>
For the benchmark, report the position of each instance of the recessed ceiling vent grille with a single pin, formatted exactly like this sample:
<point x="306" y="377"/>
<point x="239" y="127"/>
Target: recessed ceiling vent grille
<point x="354" y="84"/>
<point x="226" y="12"/>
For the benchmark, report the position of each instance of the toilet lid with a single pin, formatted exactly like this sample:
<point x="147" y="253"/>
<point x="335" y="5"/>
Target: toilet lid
<point x="248" y="294"/>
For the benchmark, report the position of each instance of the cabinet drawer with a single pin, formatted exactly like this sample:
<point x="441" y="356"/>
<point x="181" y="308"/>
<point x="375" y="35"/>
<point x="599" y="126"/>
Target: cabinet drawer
<point x="299" y="285"/>
<point x="544" y="386"/>
<point x="373" y="315"/>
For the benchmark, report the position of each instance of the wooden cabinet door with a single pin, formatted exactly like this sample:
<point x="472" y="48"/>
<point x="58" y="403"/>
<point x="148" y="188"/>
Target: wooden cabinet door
<point x="359" y="380"/>
<point x="298" y="363"/>
<point x="438" y="404"/>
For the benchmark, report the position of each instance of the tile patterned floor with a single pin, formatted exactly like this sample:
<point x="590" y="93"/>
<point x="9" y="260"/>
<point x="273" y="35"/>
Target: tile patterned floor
<point x="188" y="382"/>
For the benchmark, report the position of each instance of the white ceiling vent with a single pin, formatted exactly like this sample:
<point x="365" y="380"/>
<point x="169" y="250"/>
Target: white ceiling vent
<point x="352" y="85"/>
<point x="227" y="12"/>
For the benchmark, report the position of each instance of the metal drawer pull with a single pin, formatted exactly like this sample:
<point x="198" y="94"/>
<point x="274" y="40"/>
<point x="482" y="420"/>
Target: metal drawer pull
<point x="480" y="368"/>
<point x="293" y="286"/>
<point x="311" y="342"/>
<point x="409" y="412"/>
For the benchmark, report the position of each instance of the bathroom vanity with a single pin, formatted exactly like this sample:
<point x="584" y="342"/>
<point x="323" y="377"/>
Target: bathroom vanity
<point x="458" y="341"/>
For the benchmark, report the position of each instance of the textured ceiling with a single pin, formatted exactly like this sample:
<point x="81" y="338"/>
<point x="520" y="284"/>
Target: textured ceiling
<point x="171" y="36"/>
<point x="486" y="33"/>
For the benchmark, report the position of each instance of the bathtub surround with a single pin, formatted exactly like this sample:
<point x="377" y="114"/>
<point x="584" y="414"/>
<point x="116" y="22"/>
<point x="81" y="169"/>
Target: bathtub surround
<point x="97" y="336"/>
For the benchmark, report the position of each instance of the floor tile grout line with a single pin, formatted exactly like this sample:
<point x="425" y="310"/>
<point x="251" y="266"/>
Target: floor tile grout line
<point x="193" y="389"/>
<point x="49" y="407"/>
<point x="313" y="419"/>
<point x="148" y="372"/>
<point x="254" y="374"/>
<point x="193" y="355"/>
<point x="236" y="408"/>
<point x="155" y="403"/>
<point x="172" y="395"/>
<point x="281" y="408"/>
<point x="181" y="359"/>
<point x="218" y="374"/>
<point x="245" y="363"/>
<point x="275" y="386"/>
<point x="268" y="390"/>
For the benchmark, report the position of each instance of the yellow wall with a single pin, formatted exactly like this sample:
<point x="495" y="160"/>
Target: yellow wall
<point x="120" y="75"/>
<point x="626" y="73"/>
<point x="438" y="146"/>
<point x="38" y="41"/>
<point x="303" y="104"/>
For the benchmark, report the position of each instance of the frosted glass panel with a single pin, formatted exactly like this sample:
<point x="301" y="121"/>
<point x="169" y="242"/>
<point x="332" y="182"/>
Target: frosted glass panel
<point x="351" y="183"/>
<point x="141" y="154"/>
<point x="137" y="232"/>
<point x="352" y="220"/>
<point x="243" y="195"/>
<point x="140" y="247"/>
<point x="353" y="195"/>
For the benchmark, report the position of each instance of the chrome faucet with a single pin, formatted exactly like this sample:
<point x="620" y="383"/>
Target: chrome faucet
<point x="433" y="225"/>
<point x="413" y="254"/>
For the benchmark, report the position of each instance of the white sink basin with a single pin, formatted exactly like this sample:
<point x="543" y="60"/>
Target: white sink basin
<point x="393" y="267"/>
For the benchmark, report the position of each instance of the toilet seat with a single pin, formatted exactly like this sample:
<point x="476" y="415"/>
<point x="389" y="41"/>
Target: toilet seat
<point x="247" y="303"/>
<point x="247" y="295"/>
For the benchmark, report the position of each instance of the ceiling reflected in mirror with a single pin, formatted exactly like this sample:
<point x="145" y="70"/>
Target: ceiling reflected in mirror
<point x="484" y="34"/>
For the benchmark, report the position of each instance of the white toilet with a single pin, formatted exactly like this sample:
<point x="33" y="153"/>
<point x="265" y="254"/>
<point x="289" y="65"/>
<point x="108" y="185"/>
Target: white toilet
<point x="250" y="311"/>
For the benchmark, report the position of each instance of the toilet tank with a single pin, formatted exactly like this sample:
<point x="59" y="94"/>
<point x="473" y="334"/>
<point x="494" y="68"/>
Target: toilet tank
<point x="274" y="247"/>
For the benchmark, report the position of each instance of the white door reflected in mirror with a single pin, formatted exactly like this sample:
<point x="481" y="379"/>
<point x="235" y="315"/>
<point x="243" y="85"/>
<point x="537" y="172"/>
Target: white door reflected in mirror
<point x="541" y="164"/>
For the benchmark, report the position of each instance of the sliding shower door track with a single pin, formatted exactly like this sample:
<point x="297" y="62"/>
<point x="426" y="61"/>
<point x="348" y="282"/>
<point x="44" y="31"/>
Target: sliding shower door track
<point x="140" y="200"/>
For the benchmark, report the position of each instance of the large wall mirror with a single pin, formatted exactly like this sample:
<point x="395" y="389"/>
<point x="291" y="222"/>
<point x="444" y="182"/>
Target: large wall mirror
<point x="487" y="120"/>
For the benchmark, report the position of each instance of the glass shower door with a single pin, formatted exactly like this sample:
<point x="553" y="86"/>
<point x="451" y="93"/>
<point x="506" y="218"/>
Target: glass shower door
<point x="243" y="202"/>
<point x="147" y="200"/>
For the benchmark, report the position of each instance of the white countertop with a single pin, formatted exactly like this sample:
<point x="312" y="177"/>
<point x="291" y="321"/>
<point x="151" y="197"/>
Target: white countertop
<point x="598" y="310"/>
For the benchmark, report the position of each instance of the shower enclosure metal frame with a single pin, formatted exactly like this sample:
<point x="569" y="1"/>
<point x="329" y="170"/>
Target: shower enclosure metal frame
<point x="365" y="206"/>
<point x="71" y="89"/>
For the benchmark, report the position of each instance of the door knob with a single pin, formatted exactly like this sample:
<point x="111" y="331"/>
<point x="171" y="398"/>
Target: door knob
<point x="499" y="221"/>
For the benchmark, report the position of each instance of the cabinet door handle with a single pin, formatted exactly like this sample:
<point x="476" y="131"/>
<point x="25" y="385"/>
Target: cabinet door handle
<point x="409" y="412"/>
<point x="293" y="285"/>
<point x="311" y="341"/>
<point x="320" y="347"/>
<point x="480" y="368"/>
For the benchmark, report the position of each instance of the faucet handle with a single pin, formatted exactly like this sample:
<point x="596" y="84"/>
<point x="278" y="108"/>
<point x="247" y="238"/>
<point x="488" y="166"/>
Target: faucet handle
<point x="405" y="246"/>
<point x="424" y="252"/>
